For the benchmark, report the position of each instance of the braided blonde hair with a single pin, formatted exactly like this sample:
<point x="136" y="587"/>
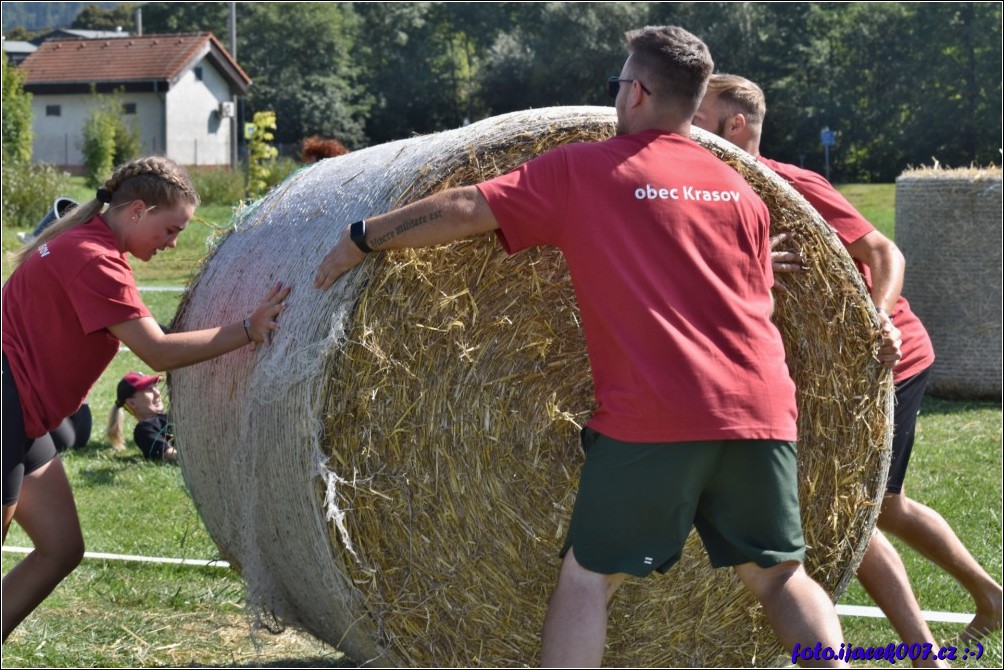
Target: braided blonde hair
<point x="156" y="180"/>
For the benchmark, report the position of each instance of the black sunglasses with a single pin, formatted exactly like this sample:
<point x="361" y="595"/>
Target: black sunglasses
<point x="614" y="85"/>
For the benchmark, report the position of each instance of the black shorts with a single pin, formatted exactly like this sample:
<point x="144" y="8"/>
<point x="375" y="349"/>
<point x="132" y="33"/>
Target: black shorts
<point x="21" y="454"/>
<point x="909" y="394"/>
<point x="638" y="502"/>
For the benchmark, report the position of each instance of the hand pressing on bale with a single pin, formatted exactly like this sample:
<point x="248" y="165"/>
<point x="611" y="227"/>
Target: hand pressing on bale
<point x="443" y="217"/>
<point x="890" y="350"/>
<point x="784" y="261"/>
<point x="169" y="351"/>
<point x="63" y="344"/>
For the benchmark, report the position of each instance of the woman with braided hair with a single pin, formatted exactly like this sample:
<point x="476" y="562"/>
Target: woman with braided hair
<point x="69" y="302"/>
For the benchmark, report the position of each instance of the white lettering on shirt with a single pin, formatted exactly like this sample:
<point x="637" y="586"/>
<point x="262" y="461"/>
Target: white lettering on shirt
<point x="43" y="250"/>
<point x="687" y="193"/>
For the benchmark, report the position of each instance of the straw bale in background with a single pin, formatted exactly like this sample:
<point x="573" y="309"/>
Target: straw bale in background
<point x="948" y="226"/>
<point x="396" y="472"/>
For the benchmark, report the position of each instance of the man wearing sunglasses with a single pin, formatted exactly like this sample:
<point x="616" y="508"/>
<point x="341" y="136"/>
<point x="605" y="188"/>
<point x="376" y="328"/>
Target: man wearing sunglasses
<point x="668" y="249"/>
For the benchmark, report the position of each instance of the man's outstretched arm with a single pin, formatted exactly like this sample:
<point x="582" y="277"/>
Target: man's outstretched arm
<point x="450" y="215"/>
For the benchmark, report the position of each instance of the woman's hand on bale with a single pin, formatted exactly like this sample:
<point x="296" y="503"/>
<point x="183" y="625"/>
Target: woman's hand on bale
<point x="344" y="256"/>
<point x="264" y="319"/>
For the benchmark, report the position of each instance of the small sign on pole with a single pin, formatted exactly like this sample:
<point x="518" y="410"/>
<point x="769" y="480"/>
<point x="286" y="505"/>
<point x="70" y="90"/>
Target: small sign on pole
<point x="248" y="131"/>
<point x="828" y="138"/>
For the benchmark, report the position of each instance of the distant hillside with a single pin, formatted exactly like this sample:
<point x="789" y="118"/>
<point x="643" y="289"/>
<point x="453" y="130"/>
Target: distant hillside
<point x="38" y="16"/>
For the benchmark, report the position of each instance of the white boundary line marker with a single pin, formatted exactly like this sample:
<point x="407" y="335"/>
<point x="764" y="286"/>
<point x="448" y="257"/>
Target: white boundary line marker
<point x="196" y="562"/>
<point x="842" y="610"/>
<point x="929" y="615"/>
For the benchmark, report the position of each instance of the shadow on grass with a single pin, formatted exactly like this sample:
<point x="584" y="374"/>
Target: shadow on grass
<point x="934" y="406"/>
<point x="107" y="475"/>
<point x="99" y="476"/>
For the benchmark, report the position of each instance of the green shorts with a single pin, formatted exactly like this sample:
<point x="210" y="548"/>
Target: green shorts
<point x="638" y="501"/>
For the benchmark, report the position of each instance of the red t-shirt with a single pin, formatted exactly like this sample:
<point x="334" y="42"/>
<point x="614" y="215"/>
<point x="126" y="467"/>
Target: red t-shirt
<point x="668" y="249"/>
<point x="56" y="309"/>
<point x="850" y="226"/>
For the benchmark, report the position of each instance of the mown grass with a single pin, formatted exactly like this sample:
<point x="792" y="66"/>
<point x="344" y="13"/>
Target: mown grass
<point x="876" y="202"/>
<point x="119" y="614"/>
<point x="956" y="470"/>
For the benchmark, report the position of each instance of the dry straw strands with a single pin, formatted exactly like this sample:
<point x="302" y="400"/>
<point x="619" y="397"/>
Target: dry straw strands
<point x="948" y="225"/>
<point x="395" y="473"/>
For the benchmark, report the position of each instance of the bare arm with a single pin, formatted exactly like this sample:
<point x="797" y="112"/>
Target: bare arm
<point x="163" y="351"/>
<point x="438" y="219"/>
<point x="887" y="265"/>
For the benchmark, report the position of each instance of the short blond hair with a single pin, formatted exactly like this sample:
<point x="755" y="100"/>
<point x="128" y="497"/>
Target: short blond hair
<point x="738" y="95"/>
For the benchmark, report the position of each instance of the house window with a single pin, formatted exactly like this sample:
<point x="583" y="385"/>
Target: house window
<point x="53" y="110"/>
<point x="198" y="73"/>
<point x="128" y="107"/>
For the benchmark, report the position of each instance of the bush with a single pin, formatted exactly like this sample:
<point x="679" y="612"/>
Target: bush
<point x="108" y="140"/>
<point x="16" y="116"/>
<point x="279" y="169"/>
<point x="29" y="191"/>
<point x="261" y="153"/>
<point x="98" y="147"/>
<point x="218" y="186"/>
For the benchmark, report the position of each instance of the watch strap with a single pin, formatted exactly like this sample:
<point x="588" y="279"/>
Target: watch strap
<point x="357" y="233"/>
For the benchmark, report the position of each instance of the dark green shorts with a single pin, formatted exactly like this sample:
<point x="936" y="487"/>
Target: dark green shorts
<point x="638" y="501"/>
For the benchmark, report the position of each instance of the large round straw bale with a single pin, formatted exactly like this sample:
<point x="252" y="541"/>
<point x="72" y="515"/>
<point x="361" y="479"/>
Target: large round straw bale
<point x="948" y="225"/>
<point x="395" y="473"/>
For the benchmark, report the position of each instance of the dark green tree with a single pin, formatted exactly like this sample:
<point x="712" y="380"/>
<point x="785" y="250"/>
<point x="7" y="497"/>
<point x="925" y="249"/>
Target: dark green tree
<point x="311" y="82"/>
<point x="93" y="17"/>
<point x="179" y="17"/>
<point x="297" y="55"/>
<point x="558" y="54"/>
<point x="423" y="60"/>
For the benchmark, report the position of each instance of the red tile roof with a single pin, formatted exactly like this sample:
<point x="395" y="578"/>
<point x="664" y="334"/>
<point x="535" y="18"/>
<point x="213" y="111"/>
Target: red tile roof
<point x="127" y="59"/>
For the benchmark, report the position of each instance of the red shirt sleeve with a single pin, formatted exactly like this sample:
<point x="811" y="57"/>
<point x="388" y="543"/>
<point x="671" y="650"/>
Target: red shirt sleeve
<point x="848" y="223"/>
<point x="529" y="203"/>
<point x="104" y="293"/>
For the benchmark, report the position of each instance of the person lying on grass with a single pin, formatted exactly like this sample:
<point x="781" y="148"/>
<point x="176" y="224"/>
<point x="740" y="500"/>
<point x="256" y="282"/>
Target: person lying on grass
<point x="140" y="396"/>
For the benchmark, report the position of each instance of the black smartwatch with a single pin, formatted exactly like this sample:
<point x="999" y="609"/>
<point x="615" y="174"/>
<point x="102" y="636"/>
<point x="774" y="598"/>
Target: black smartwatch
<point x="357" y="233"/>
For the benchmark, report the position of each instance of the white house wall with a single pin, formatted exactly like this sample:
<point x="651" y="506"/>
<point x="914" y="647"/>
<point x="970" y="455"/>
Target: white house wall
<point x="57" y="139"/>
<point x="196" y="133"/>
<point x="183" y="124"/>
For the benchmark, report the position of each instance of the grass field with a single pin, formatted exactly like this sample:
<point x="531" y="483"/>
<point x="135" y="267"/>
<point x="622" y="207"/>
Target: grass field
<point x="120" y="614"/>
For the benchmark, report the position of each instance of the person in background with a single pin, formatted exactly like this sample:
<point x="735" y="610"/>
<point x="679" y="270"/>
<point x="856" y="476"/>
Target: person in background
<point x="67" y="305"/>
<point x="140" y="396"/>
<point x="695" y="407"/>
<point x="317" y="148"/>
<point x="60" y="208"/>
<point x="734" y="108"/>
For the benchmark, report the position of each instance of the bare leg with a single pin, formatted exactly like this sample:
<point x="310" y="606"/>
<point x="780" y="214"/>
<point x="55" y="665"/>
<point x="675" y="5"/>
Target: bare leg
<point x="8" y="514"/>
<point x="884" y="577"/>
<point x="48" y="515"/>
<point x="575" y="629"/>
<point x="929" y="534"/>
<point x="796" y="606"/>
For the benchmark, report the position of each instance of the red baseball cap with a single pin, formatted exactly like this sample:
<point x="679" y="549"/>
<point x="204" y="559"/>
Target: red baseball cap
<point x="133" y="382"/>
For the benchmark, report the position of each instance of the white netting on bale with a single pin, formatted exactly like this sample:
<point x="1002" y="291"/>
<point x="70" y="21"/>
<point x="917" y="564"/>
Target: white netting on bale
<point x="395" y="472"/>
<point x="948" y="226"/>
